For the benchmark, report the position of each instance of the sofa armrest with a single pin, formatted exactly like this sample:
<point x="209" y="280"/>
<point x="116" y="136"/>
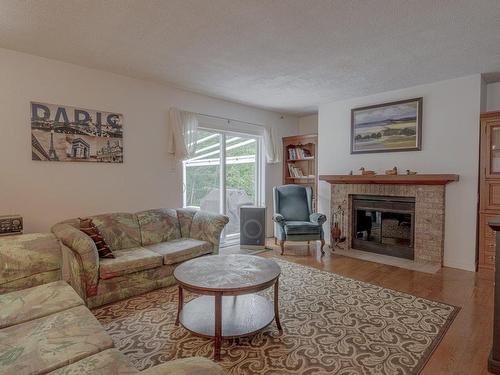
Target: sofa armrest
<point x="186" y="366"/>
<point x="317" y="218"/>
<point x="206" y="226"/>
<point x="279" y="219"/>
<point x="85" y="252"/>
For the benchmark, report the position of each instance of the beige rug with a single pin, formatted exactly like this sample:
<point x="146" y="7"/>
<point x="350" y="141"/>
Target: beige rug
<point x="332" y="325"/>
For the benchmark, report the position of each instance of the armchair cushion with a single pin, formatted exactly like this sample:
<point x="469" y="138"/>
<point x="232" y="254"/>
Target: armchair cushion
<point x="301" y="227"/>
<point x="129" y="261"/>
<point x="292" y="201"/>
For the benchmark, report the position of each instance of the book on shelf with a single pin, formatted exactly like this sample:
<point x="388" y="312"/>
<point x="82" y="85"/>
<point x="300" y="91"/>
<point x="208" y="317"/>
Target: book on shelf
<point x="294" y="171"/>
<point x="299" y="153"/>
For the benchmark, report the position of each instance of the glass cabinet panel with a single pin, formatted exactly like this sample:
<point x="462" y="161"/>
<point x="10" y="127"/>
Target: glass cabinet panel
<point x="495" y="150"/>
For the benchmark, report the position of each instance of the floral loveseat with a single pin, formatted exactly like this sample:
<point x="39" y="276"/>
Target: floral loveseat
<point x="147" y="246"/>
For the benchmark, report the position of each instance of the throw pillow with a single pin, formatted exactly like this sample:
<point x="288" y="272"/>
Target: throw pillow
<point x="89" y="228"/>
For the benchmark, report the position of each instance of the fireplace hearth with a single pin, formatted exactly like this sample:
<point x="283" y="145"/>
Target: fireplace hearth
<point x="427" y="196"/>
<point x="383" y="225"/>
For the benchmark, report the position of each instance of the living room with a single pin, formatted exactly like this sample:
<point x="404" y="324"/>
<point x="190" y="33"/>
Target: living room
<point x="249" y="187"/>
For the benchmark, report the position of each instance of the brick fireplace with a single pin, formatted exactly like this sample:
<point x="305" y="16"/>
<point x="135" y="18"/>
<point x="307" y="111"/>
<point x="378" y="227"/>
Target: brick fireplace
<point x="428" y="220"/>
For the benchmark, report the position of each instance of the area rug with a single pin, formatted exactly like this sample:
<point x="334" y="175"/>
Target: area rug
<point x="332" y="325"/>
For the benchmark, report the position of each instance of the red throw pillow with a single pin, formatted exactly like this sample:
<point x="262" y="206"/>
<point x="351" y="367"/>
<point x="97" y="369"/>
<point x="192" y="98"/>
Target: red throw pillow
<point x="89" y="228"/>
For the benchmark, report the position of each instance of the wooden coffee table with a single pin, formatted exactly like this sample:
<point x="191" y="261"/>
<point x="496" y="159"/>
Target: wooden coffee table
<point x="228" y="306"/>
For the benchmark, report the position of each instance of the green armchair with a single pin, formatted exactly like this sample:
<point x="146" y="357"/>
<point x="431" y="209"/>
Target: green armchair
<point x="293" y="216"/>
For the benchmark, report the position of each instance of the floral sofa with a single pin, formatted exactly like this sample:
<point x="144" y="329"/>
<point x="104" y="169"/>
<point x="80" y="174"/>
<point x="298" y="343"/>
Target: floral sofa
<point x="47" y="329"/>
<point x="147" y="246"/>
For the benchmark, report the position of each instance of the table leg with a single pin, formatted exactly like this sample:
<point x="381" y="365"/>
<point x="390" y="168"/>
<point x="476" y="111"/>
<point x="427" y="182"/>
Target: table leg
<point x="276" y="308"/>
<point x="180" y="304"/>
<point x="218" y="325"/>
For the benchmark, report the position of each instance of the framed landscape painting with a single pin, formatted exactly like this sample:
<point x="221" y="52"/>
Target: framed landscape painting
<point x="395" y="126"/>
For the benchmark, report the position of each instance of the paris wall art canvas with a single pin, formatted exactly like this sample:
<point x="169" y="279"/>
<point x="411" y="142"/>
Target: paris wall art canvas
<point x="64" y="133"/>
<point x="395" y="126"/>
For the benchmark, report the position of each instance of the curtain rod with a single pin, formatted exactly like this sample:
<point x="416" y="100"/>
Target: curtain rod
<point x="230" y="119"/>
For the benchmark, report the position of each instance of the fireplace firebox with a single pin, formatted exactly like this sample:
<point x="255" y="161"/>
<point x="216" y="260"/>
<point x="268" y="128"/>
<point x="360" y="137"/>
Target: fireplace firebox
<point x="384" y="225"/>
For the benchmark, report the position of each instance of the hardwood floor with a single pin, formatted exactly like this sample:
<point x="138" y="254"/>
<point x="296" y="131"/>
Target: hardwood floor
<point x="466" y="345"/>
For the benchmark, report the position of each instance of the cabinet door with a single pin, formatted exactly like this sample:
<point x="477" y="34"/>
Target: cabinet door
<point x="491" y="198"/>
<point x="492" y="148"/>
<point x="487" y="242"/>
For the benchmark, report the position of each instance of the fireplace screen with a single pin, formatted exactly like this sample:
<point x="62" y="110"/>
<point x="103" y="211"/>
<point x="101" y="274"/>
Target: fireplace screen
<point x="383" y="225"/>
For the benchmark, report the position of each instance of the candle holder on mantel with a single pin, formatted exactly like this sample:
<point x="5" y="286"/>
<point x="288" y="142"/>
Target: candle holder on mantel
<point x="336" y="228"/>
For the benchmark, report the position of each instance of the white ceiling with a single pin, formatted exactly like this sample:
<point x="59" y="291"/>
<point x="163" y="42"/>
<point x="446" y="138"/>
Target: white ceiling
<point x="285" y="55"/>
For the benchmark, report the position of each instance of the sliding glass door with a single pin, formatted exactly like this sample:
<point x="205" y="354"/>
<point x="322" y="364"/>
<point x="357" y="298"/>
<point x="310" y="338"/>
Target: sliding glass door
<point x="224" y="175"/>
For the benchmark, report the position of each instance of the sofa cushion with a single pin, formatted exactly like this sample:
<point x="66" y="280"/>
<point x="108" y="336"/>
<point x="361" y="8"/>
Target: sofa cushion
<point x="158" y="225"/>
<point x="28" y="260"/>
<point x="181" y="250"/>
<point x="28" y="304"/>
<point x="120" y="230"/>
<point x="128" y="261"/>
<point x="109" y="361"/>
<point x="45" y="344"/>
<point x="302" y="227"/>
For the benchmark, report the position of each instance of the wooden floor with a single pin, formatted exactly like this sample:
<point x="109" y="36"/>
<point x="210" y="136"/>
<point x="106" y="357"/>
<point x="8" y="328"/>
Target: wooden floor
<point x="466" y="345"/>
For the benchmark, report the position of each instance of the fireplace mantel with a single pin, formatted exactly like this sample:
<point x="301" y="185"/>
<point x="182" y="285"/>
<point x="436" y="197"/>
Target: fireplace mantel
<point x="417" y="179"/>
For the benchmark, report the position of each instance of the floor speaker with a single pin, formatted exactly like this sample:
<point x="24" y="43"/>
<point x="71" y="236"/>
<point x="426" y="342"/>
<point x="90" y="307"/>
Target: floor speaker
<point x="252" y="227"/>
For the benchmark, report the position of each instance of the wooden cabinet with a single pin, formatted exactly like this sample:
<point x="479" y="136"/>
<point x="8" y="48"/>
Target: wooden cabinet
<point x="489" y="187"/>
<point x="300" y="162"/>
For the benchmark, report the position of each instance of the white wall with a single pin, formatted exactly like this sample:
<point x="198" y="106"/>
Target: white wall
<point x="47" y="192"/>
<point x="308" y="124"/>
<point x="493" y="97"/>
<point x="450" y="143"/>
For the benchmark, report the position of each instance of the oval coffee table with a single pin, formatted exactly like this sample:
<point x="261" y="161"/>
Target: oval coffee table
<point x="227" y="307"/>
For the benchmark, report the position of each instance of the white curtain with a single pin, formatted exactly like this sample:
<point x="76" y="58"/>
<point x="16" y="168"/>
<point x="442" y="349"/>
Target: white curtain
<point x="182" y="133"/>
<point x="272" y="153"/>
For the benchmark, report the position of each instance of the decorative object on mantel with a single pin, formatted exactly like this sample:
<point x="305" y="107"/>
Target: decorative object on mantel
<point x="64" y="133"/>
<point x="409" y="172"/>
<point x="364" y="172"/>
<point x="420" y="179"/>
<point x="392" y="172"/>
<point x="336" y="228"/>
<point x="395" y="126"/>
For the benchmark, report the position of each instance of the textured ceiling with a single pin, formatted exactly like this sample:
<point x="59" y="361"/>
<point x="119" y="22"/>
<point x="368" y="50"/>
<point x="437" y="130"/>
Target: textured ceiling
<point x="285" y="55"/>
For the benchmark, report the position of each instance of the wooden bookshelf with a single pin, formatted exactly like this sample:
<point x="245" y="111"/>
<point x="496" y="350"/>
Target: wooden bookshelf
<point x="300" y="162"/>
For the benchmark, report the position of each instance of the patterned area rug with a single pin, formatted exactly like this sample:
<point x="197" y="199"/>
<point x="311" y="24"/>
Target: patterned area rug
<point x="332" y="325"/>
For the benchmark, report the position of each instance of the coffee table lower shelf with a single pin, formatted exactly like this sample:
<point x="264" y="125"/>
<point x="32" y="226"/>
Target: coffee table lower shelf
<point x="242" y="315"/>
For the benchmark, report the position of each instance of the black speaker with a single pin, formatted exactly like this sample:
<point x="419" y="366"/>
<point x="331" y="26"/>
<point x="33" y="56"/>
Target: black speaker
<point x="253" y="227"/>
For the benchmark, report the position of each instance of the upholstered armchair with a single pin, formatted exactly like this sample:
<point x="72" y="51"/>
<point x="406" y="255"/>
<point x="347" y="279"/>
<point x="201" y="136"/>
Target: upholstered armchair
<point x="293" y="216"/>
